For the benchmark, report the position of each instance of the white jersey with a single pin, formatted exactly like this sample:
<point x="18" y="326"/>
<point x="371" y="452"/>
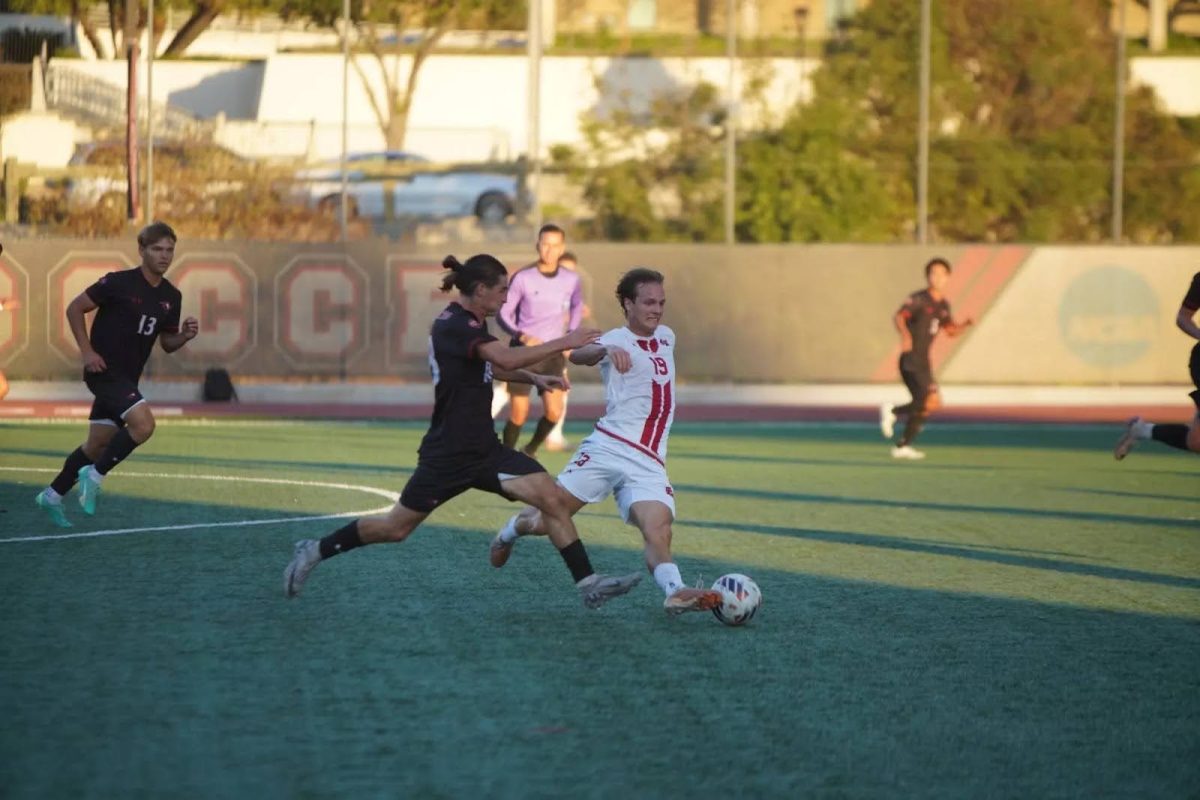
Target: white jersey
<point x="640" y="404"/>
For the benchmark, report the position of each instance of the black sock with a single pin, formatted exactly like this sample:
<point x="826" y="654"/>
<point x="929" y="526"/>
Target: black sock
<point x="900" y="411"/>
<point x="1171" y="435"/>
<point x="912" y="427"/>
<point x="117" y="451"/>
<point x="577" y="560"/>
<point x="543" y="429"/>
<point x="343" y="539"/>
<point x="511" y="434"/>
<point x="63" y="482"/>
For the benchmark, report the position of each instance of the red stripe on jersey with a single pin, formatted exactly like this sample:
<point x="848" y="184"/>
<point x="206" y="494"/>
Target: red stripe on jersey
<point x="634" y="445"/>
<point x="656" y="398"/>
<point x="663" y="417"/>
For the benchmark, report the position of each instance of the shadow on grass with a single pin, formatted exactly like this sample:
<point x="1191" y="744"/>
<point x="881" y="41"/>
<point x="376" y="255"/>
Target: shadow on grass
<point x="975" y="553"/>
<point x="926" y="505"/>
<point x="141" y="458"/>
<point x="152" y="659"/>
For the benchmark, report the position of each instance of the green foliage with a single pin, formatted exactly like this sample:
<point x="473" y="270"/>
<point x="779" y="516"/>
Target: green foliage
<point x="1022" y="112"/>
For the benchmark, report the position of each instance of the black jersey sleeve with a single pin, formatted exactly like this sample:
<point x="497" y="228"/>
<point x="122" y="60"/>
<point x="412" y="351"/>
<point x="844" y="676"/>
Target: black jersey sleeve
<point x="1191" y="301"/>
<point x="909" y="305"/>
<point x="460" y="337"/>
<point x="102" y="291"/>
<point x="171" y="323"/>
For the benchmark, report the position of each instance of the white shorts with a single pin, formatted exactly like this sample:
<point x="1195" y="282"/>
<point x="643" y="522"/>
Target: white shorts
<point x="602" y="466"/>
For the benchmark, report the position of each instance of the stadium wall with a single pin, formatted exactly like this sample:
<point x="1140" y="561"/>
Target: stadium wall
<point x="1087" y="316"/>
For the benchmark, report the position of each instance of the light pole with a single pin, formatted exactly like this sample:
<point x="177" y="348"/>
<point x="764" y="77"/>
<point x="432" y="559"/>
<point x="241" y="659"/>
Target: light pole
<point x="731" y="121"/>
<point x="1118" y="178"/>
<point x="923" y="130"/>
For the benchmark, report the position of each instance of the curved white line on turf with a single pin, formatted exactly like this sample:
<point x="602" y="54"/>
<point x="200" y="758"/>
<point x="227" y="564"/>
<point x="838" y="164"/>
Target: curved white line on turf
<point x="391" y="496"/>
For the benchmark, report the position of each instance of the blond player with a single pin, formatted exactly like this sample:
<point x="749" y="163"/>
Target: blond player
<point x="625" y="455"/>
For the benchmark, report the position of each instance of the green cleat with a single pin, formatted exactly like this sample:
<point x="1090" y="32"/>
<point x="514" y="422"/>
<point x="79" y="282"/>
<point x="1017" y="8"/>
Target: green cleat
<point x="89" y="490"/>
<point x="57" y="515"/>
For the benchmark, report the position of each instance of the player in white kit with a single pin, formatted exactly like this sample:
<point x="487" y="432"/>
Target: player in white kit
<point x="626" y="453"/>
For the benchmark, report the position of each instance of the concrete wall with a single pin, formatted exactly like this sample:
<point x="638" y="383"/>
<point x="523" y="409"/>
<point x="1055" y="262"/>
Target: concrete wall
<point x="1085" y="316"/>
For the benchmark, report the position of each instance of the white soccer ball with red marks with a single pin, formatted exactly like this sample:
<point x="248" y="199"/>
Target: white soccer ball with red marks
<point x="741" y="598"/>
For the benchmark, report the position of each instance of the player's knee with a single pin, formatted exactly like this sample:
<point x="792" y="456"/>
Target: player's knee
<point x="1193" y="438"/>
<point x="142" y="428"/>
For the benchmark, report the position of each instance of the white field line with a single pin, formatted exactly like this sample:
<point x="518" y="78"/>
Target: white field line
<point x="391" y="496"/>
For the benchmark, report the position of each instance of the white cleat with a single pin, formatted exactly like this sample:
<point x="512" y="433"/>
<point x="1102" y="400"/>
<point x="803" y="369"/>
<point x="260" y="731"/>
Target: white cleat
<point x="1128" y="439"/>
<point x="597" y="590"/>
<point x="304" y="559"/>
<point x="887" y="421"/>
<point x="500" y="550"/>
<point x="907" y="452"/>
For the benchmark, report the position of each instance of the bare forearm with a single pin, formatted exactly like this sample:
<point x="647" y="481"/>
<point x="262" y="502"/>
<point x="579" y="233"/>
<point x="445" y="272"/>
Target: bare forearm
<point x="172" y="341"/>
<point x="513" y="375"/>
<point x="1186" y="322"/>
<point x="75" y="318"/>
<point x="588" y="356"/>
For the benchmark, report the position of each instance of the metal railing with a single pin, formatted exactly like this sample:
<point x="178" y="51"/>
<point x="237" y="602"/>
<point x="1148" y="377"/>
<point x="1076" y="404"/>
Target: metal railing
<point x="100" y="102"/>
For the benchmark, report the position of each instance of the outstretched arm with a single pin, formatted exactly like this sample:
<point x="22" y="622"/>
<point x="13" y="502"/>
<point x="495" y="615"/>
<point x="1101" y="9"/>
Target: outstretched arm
<point x="595" y="353"/>
<point x="955" y="328"/>
<point x="506" y="358"/>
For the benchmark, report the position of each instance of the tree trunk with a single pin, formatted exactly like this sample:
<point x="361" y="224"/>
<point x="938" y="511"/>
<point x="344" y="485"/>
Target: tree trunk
<point x="113" y="27"/>
<point x="196" y="24"/>
<point x="79" y="14"/>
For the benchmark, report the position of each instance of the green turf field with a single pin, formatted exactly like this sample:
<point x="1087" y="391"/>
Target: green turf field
<point x="1016" y="616"/>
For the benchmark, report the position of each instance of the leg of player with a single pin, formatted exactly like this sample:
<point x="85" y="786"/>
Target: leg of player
<point x="100" y="433"/>
<point x="887" y="418"/>
<point x="556" y="441"/>
<point x="1180" y="437"/>
<point x="394" y="526"/>
<point x="518" y="412"/>
<point x="3" y="386"/>
<point x="526" y="522"/>
<point x="543" y="493"/>
<point x="552" y="411"/>
<point x="915" y="421"/>
<point x="654" y="519"/>
<point x="139" y="427"/>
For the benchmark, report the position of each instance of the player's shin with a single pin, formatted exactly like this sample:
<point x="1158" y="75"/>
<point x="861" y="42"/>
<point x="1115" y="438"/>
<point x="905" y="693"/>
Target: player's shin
<point x="76" y="461"/>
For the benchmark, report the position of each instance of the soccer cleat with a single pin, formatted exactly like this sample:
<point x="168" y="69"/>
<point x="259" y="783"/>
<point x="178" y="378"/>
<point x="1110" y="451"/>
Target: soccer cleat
<point x="304" y="559"/>
<point x="557" y="445"/>
<point x="89" y="490"/>
<point x="597" y="590"/>
<point x="1128" y="439"/>
<point x="887" y="421"/>
<point x="907" y="452"/>
<point x="692" y="600"/>
<point x="500" y="550"/>
<point x="58" y="514"/>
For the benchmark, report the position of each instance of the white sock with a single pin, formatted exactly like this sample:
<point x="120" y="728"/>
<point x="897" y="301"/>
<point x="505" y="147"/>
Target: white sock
<point x="1143" y="429"/>
<point x="668" y="577"/>
<point x="93" y="474"/>
<point x="51" y="495"/>
<point x="509" y="533"/>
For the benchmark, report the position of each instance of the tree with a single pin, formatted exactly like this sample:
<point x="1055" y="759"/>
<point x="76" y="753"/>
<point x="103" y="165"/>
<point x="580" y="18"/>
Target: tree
<point x="388" y="29"/>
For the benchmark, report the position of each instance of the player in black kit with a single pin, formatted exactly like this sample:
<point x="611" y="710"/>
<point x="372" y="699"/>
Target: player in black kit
<point x="136" y="308"/>
<point x="1181" y="437"/>
<point x="461" y="451"/>
<point x="922" y="317"/>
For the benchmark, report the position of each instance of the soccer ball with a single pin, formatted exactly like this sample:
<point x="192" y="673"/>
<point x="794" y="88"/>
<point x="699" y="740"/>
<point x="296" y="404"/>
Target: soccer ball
<point x="742" y="598"/>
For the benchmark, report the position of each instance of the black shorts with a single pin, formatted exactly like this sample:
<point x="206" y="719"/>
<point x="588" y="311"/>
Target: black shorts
<point x="917" y="375"/>
<point x="115" y="395"/>
<point x="438" y="480"/>
<point x="554" y="365"/>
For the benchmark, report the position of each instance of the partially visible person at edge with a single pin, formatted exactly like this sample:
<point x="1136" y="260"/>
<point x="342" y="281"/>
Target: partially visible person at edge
<point x="924" y="315"/>
<point x="9" y="304"/>
<point x="134" y="309"/>
<point x="625" y="456"/>
<point x="460" y="451"/>
<point x="544" y="302"/>
<point x="1181" y="437"/>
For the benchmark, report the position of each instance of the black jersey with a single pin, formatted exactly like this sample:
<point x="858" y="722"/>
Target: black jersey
<point x="131" y="316"/>
<point x="924" y="317"/>
<point x="462" y="387"/>
<point x="1191" y="300"/>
